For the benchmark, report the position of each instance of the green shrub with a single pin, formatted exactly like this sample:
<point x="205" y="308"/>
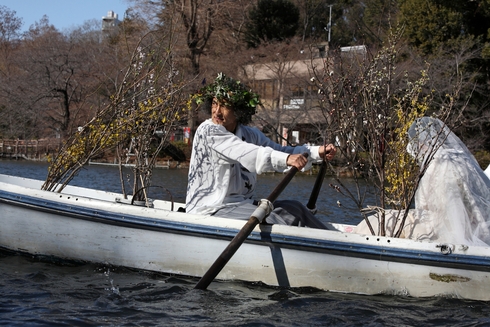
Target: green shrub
<point x="483" y="158"/>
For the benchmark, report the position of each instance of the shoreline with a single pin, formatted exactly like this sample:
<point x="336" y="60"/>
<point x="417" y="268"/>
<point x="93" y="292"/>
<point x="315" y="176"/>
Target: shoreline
<point x="173" y="164"/>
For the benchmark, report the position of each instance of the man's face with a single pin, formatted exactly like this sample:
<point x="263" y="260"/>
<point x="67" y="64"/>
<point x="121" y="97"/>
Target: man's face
<point x="223" y="114"/>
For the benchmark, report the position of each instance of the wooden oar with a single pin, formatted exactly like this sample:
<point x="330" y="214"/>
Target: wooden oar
<point x="318" y="185"/>
<point x="239" y="238"/>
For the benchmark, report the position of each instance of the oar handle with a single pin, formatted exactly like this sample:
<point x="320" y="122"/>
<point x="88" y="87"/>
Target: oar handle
<point x="318" y="185"/>
<point x="242" y="235"/>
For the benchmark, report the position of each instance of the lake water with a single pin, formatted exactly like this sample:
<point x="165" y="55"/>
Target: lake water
<point x="37" y="293"/>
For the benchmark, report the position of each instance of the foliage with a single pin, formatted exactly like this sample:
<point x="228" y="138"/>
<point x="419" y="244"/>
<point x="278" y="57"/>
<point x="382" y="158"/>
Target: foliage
<point x="434" y="23"/>
<point x="182" y="147"/>
<point x="353" y="22"/>
<point x="148" y="102"/>
<point x="483" y="158"/>
<point x="429" y="24"/>
<point x="402" y="170"/>
<point x="271" y="21"/>
<point x="208" y="33"/>
<point x="9" y="25"/>
<point x="373" y="105"/>
<point x="455" y="34"/>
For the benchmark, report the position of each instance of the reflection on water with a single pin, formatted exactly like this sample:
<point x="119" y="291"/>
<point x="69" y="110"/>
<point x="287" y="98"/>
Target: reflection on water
<point x="171" y="184"/>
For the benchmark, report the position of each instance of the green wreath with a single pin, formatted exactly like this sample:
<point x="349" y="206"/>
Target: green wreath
<point x="232" y="93"/>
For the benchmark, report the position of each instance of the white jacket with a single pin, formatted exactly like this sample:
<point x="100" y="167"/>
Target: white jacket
<point x="224" y="166"/>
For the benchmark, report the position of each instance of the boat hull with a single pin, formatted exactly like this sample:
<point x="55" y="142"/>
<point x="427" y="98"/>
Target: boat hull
<point x="94" y="226"/>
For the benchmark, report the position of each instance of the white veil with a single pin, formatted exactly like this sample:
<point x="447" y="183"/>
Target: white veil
<point x="452" y="202"/>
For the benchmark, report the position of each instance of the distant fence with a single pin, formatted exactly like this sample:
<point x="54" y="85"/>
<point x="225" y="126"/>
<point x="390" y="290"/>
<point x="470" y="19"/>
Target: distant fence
<point x="28" y="149"/>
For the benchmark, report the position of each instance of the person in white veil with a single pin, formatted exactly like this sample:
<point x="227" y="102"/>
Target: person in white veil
<point x="452" y="201"/>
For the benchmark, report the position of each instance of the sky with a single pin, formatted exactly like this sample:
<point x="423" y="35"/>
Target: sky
<point x="64" y="14"/>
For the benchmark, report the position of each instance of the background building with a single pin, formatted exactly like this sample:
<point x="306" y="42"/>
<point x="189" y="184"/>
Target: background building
<point x="291" y="111"/>
<point x="110" y="22"/>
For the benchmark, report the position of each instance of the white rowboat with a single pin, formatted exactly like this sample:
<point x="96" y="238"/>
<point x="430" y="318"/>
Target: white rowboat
<point x="88" y="225"/>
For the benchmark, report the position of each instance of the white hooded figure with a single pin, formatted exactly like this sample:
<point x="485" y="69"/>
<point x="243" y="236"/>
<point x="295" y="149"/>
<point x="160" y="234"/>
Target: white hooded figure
<point x="452" y="201"/>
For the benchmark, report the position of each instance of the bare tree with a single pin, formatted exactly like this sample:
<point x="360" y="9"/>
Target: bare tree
<point x="9" y="46"/>
<point x="56" y="65"/>
<point x="196" y="18"/>
<point x="453" y="73"/>
<point x="10" y="26"/>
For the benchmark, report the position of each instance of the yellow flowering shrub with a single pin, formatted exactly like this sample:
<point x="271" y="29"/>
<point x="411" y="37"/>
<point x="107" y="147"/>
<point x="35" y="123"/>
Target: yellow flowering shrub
<point x="401" y="169"/>
<point x="148" y="100"/>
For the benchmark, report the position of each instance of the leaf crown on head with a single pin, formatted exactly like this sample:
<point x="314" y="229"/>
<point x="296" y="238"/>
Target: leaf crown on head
<point x="232" y="93"/>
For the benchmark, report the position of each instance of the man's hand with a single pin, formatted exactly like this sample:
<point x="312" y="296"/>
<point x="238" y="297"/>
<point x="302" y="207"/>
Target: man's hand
<point x="328" y="150"/>
<point x="297" y="160"/>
